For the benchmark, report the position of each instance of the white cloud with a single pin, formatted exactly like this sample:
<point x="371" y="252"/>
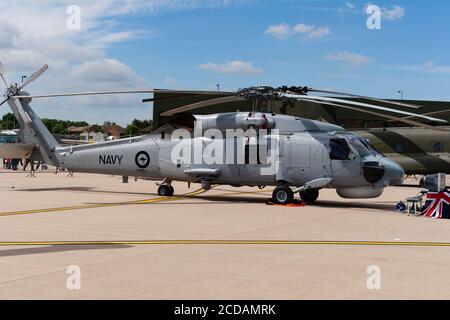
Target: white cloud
<point x="350" y="5"/>
<point x="285" y="31"/>
<point x="9" y="34"/>
<point x="430" y="66"/>
<point x="105" y="70"/>
<point x="319" y="33"/>
<point x="302" y="28"/>
<point x="170" y="81"/>
<point x="348" y="59"/>
<point x="394" y="13"/>
<point x="233" y="68"/>
<point x="281" y="31"/>
<point x="34" y="33"/>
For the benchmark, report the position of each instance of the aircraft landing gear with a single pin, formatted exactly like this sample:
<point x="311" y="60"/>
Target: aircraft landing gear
<point x="310" y="195"/>
<point x="166" y="190"/>
<point x="283" y="195"/>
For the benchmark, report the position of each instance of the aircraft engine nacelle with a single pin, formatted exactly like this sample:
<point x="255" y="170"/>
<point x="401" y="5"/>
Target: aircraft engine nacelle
<point x="242" y="120"/>
<point x="360" y="193"/>
<point x="255" y="120"/>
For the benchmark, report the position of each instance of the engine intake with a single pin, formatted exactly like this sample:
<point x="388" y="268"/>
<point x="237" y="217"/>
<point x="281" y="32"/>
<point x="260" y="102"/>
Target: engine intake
<point x="373" y="172"/>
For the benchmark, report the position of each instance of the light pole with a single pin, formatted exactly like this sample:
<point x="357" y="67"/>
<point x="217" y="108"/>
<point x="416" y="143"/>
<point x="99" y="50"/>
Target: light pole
<point x="401" y="93"/>
<point x="218" y="87"/>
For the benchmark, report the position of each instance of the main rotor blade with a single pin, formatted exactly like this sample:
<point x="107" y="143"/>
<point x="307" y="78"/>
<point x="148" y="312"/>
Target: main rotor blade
<point x="378" y="114"/>
<point x="432" y="113"/>
<point x="366" y="98"/>
<point x="78" y="94"/>
<point x="34" y="76"/>
<point x="197" y="92"/>
<point x="1" y="103"/>
<point x="96" y="93"/>
<point x="170" y="98"/>
<point x="365" y="105"/>
<point x="4" y="75"/>
<point x="202" y="104"/>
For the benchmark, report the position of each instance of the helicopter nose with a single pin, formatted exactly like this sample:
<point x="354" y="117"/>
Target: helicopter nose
<point x="394" y="173"/>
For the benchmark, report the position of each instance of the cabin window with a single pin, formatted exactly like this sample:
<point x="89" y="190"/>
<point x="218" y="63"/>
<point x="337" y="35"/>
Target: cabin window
<point x="339" y="149"/>
<point x="400" y="148"/>
<point x="438" y="147"/>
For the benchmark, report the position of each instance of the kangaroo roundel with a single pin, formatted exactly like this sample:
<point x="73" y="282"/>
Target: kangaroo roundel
<point x="142" y="160"/>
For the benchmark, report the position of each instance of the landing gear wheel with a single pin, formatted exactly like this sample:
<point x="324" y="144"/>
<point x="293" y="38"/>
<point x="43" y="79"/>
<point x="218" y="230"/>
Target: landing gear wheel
<point x="166" y="190"/>
<point x="283" y="195"/>
<point x="310" y="196"/>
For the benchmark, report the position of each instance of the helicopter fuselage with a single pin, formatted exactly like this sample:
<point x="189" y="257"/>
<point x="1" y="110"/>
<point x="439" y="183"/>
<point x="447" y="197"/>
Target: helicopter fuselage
<point x="290" y="151"/>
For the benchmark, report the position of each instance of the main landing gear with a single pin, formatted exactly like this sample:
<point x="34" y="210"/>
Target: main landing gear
<point x="165" y="189"/>
<point x="284" y="195"/>
<point x="309" y="196"/>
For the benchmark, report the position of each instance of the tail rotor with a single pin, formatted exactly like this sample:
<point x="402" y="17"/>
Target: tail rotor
<point x="6" y="81"/>
<point x="14" y="90"/>
<point x="33" y="77"/>
<point x="4" y="76"/>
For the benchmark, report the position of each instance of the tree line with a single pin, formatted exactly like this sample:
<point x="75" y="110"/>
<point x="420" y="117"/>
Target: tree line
<point x="9" y="122"/>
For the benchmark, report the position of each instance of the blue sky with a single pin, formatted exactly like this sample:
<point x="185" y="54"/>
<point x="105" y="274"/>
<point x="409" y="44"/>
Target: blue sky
<point x="197" y="44"/>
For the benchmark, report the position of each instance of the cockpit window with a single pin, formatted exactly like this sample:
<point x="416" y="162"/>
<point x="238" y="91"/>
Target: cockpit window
<point x="339" y="149"/>
<point x="360" y="147"/>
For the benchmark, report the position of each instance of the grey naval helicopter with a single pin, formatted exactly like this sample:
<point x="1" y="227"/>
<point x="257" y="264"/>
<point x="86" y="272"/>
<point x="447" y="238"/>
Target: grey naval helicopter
<point x="311" y="155"/>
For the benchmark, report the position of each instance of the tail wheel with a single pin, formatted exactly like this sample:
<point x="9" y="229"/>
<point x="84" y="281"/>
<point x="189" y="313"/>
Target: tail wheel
<point x="166" y="190"/>
<point x="310" y="196"/>
<point x="283" y="195"/>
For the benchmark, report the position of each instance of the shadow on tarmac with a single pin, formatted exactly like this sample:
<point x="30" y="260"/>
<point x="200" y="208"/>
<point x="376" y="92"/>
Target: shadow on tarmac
<point x="54" y="249"/>
<point x="87" y="189"/>
<point x="386" y="206"/>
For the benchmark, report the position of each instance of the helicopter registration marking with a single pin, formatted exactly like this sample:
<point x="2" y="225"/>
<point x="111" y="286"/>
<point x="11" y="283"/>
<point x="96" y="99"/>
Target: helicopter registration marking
<point x="108" y="159"/>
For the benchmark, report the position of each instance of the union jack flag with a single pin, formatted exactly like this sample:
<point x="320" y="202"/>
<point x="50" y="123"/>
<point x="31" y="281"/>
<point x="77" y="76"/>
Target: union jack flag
<point x="437" y="205"/>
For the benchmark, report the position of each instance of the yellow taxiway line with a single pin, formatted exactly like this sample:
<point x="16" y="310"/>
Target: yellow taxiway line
<point x="226" y="242"/>
<point x="117" y="204"/>
<point x="103" y="205"/>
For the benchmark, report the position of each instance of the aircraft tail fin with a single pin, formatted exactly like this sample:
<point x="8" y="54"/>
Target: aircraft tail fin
<point x="34" y="131"/>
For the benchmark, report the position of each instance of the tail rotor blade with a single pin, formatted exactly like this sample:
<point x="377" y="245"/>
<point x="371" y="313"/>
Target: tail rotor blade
<point x="4" y="75"/>
<point x="34" y="76"/>
<point x="1" y="103"/>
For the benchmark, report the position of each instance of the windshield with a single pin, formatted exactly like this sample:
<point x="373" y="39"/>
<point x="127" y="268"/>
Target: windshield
<point x="339" y="150"/>
<point x="361" y="146"/>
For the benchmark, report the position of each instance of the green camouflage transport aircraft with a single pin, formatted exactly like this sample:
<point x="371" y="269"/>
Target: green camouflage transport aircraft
<point x="419" y="150"/>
